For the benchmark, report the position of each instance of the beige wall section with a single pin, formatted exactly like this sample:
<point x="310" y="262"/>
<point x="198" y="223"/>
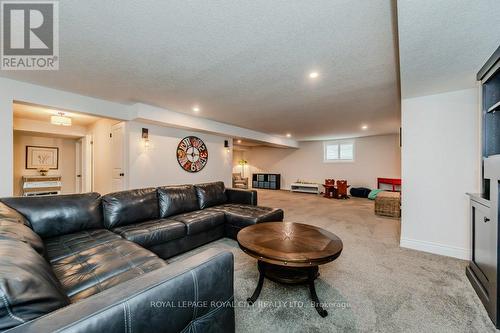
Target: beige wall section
<point x="237" y="156"/>
<point x="67" y="159"/>
<point x="375" y="156"/>
<point x="100" y="131"/>
<point x="158" y="164"/>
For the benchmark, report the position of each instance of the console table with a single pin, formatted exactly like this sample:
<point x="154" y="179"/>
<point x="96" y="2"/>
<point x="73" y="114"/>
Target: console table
<point x="41" y="185"/>
<point x="389" y="181"/>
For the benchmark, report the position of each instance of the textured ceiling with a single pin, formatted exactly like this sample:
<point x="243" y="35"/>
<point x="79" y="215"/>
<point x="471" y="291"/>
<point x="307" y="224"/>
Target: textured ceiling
<point x="444" y="43"/>
<point x="243" y="62"/>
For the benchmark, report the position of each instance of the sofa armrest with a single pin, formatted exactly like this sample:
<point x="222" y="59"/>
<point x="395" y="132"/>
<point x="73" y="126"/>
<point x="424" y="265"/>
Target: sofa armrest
<point x="193" y="295"/>
<point x="10" y="214"/>
<point x="237" y="196"/>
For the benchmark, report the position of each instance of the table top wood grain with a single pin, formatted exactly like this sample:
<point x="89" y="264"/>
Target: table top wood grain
<point x="290" y="244"/>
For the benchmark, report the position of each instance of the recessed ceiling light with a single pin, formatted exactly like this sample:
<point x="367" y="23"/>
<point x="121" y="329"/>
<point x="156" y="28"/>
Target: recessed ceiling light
<point x="196" y="108"/>
<point x="288" y="135"/>
<point x="364" y="127"/>
<point x="239" y="141"/>
<point x="313" y="75"/>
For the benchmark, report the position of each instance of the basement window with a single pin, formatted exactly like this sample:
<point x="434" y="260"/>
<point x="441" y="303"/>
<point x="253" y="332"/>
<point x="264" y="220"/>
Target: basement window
<point x="338" y="151"/>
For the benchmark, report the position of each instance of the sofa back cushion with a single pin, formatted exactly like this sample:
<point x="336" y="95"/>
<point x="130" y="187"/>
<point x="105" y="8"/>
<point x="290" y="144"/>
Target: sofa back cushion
<point x="177" y="200"/>
<point x="9" y="214"/>
<point x="128" y="207"/>
<point x="59" y="214"/>
<point x="19" y="232"/>
<point x="28" y="287"/>
<point x="210" y="194"/>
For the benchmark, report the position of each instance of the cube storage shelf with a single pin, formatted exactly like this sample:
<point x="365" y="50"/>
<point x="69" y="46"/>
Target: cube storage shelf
<point x="270" y="181"/>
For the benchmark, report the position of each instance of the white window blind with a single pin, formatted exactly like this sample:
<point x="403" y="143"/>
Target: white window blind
<point x="339" y="151"/>
<point x="332" y="152"/>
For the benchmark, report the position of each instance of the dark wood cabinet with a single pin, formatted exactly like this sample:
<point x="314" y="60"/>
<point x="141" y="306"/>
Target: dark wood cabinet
<point x="483" y="269"/>
<point x="270" y="181"/>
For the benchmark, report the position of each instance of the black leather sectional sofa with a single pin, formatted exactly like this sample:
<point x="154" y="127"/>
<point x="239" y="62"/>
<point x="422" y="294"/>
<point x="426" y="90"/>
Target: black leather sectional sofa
<point x="91" y="263"/>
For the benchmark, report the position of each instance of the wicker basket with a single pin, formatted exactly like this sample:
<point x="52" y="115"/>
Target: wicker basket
<point x="388" y="204"/>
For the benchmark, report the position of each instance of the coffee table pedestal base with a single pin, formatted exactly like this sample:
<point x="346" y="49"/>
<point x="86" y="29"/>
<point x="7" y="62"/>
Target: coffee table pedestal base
<point x="289" y="275"/>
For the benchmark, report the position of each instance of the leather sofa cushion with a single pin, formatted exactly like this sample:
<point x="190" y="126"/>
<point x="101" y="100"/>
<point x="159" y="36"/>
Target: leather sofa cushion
<point x="20" y="232"/>
<point x="78" y="242"/>
<point x="210" y="194"/>
<point x="89" y="262"/>
<point x="59" y="214"/>
<point x="176" y="200"/>
<point x="9" y="214"/>
<point x="245" y="215"/>
<point x="151" y="233"/>
<point x="200" y="220"/>
<point x="28" y="287"/>
<point x="127" y="207"/>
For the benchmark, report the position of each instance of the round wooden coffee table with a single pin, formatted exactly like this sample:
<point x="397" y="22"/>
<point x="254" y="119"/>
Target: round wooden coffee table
<point x="289" y="253"/>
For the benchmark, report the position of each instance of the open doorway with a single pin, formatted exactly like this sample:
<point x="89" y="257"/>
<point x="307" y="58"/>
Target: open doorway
<point x="60" y="152"/>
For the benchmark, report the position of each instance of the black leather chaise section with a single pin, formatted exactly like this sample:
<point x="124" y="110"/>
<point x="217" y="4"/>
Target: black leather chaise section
<point x="239" y="216"/>
<point x="127" y="207"/>
<point x="51" y="216"/>
<point x="200" y="220"/>
<point x="175" y="200"/>
<point x="203" y="282"/>
<point x="210" y="194"/>
<point x="239" y="196"/>
<point x="184" y="244"/>
<point x="153" y="232"/>
<point x="87" y="263"/>
<point x="245" y="215"/>
<point x="28" y="287"/>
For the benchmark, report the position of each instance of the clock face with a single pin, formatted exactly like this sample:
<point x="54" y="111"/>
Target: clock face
<point x="192" y="154"/>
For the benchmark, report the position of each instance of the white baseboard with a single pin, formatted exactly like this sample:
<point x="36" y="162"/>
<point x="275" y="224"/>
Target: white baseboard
<point x="436" y="248"/>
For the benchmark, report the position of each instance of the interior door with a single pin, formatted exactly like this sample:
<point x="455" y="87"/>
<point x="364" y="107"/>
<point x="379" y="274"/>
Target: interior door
<point x="86" y="164"/>
<point x="78" y="166"/>
<point x="118" y="156"/>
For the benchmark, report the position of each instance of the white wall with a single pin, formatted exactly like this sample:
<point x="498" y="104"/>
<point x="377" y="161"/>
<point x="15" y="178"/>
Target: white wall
<point x="11" y="90"/>
<point x="375" y="156"/>
<point x="6" y="145"/>
<point x="67" y="159"/>
<point x="158" y="165"/>
<point x="440" y="163"/>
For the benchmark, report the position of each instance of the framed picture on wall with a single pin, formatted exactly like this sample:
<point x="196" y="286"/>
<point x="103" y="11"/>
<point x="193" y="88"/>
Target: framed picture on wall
<point x="42" y="157"/>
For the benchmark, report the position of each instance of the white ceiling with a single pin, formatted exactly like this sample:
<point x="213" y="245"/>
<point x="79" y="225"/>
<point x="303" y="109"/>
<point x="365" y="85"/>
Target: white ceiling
<point x="35" y="112"/>
<point x="243" y="62"/>
<point x="444" y="43"/>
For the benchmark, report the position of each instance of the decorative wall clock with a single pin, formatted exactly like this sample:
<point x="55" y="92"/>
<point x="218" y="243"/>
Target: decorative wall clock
<point x="192" y="154"/>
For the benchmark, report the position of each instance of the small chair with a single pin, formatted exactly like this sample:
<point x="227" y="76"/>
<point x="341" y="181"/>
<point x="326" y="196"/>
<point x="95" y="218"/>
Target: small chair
<point x="342" y="189"/>
<point x="239" y="182"/>
<point x="330" y="191"/>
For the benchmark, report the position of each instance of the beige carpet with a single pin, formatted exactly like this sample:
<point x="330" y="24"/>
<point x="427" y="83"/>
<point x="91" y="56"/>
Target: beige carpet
<point x="374" y="286"/>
